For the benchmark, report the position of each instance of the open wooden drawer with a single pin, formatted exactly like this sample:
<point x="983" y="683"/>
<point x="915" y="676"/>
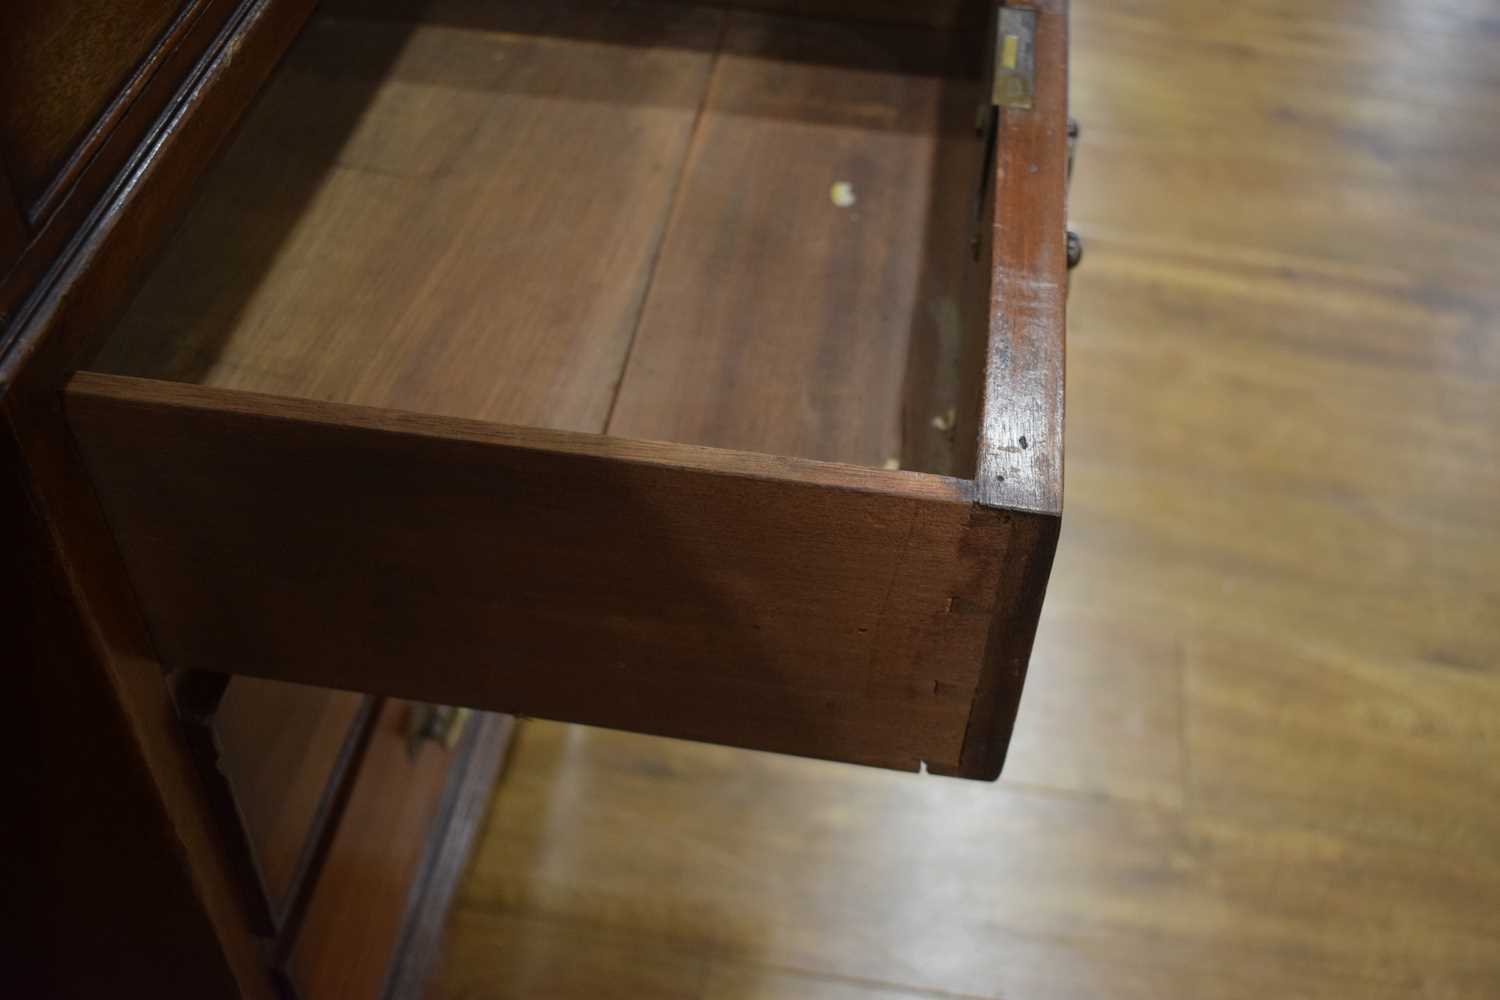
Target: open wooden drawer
<point x="680" y="369"/>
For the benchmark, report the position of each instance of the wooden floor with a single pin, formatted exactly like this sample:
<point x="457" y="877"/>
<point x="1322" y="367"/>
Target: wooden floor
<point x="1259" y="752"/>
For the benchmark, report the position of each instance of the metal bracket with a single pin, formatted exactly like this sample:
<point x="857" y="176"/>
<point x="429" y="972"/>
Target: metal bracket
<point x="1014" y="58"/>
<point x="1072" y="148"/>
<point x="1075" y="250"/>
<point x="1010" y="68"/>
<point x="1075" y="242"/>
<point x="441" y="724"/>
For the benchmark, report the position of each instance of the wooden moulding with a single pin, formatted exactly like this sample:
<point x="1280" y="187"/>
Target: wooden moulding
<point x="461" y="813"/>
<point x="130" y="852"/>
<point x="275" y="762"/>
<point x="81" y="179"/>
<point x="835" y="611"/>
<point x="13" y="232"/>
<point x="376" y="931"/>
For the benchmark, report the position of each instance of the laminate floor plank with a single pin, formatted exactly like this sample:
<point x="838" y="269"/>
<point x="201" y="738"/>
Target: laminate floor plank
<point x="934" y="885"/>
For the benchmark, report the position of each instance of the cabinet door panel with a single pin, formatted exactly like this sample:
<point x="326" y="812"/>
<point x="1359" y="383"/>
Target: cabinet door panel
<point x="62" y="63"/>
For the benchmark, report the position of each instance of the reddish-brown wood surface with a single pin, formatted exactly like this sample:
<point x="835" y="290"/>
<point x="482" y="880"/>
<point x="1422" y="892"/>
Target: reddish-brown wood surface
<point x="1020" y="461"/>
<point x="279" y="747"/>
<point x="81" y="637"/>
<point x="74" y="63"/>
<point x="92" y="866"/>
<point x="61" y="66"/>
<point x="482" y="751"/>
<point x="381" y="243"/>
<point x="1257" y="751"/>
<point x="772" y="320"/>
<point x="780" y="320"/>
<point x="768" y="602"/>
<point x="354" y="921"/>
<point x="453" y="221"/>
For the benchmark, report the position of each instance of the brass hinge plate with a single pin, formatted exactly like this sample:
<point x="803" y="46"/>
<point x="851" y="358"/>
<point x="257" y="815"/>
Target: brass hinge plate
<point x="1014" y="57"/>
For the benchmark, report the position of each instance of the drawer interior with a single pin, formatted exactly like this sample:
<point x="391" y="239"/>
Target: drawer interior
<point x="658" y="221"/>
<point x="629" y="364"/>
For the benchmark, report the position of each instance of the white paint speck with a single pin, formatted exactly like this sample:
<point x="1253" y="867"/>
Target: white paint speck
<point x="842" y="194"/>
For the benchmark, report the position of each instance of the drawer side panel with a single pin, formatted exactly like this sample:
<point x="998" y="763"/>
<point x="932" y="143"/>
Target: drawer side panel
<point x="801" y="607"/>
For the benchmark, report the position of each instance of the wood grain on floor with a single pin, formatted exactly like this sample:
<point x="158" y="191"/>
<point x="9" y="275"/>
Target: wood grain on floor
<point x="1257" y="755"/>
